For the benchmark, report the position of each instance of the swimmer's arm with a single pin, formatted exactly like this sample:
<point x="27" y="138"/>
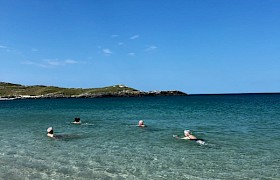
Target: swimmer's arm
<point x="178" y="137"/>
<point x="185" y="138"/>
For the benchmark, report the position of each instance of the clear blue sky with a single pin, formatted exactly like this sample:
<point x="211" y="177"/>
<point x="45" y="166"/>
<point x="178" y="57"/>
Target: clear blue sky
<point x="196" y="46"/>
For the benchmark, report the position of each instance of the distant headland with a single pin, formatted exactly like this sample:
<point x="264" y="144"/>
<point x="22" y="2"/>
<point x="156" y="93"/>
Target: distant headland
<point x="9" y="91"/>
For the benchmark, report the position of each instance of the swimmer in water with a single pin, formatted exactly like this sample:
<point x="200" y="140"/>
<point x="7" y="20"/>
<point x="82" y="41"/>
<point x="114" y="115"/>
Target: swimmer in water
<point x="189" y="136"/>
<point x="141" y="124"/>
<point x="77" y="121"/>
<point x="55" y="136"/>
<point x="50" y="132"/>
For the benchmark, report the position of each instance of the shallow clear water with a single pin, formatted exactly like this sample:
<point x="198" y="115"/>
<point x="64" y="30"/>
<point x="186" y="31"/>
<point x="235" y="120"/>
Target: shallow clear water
<point x="241" y="132"/>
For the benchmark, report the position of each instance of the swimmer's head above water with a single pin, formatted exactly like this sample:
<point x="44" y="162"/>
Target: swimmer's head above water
<point x="50" y="132"/>
<point x="141" y="123"/>
<point x="187" y="132"/>
<point x="188" y="135"/>
<point x="77" y="121"/>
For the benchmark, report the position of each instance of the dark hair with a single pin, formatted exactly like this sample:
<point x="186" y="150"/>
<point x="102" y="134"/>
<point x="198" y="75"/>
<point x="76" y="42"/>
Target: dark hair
<point x="77" y="119"/>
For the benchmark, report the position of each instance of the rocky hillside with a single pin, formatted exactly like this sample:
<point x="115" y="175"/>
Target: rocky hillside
<point x="9" y="90"/>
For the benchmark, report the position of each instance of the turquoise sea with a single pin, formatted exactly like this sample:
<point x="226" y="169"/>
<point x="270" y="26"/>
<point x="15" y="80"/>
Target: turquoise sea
<point x="242" y="134"/>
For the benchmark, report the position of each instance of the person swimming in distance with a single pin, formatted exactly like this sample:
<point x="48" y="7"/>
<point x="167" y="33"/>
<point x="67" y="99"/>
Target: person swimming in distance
<point x="141" y="124"/>
<point x="77" y="121"/>
<point x="50" y="132"/>
<point x="55" y="136"/>
<point x="188" y="136"/>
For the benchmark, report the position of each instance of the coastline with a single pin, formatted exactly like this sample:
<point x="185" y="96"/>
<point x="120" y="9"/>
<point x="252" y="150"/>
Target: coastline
<point x="10" y="91"/>
<point x="98" y="95"/>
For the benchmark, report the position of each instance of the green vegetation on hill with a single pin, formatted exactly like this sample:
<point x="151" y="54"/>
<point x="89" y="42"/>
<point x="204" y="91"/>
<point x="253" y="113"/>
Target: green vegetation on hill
<point x="14" y="90"/>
